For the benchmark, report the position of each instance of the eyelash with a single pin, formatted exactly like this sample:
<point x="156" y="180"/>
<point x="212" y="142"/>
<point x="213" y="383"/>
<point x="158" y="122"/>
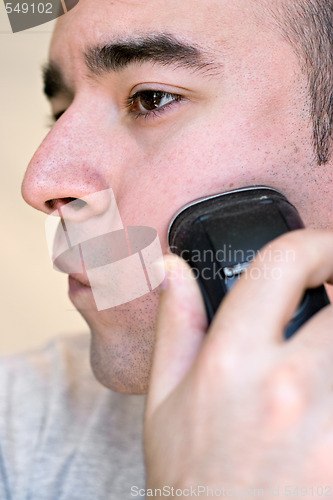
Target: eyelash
<point x="133" y="100"/>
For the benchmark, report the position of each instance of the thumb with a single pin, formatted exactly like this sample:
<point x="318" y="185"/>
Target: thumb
<point x="180" y="331"/>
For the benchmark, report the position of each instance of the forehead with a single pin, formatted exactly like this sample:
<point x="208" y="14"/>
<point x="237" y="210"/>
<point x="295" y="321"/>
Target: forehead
<point x="142" y="14"/>
<point x="211" y="23"/>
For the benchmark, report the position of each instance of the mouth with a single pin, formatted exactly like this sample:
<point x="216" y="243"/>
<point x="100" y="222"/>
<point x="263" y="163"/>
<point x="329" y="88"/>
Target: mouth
<point x="80" y="279"/>
<point x="78" y="287"/>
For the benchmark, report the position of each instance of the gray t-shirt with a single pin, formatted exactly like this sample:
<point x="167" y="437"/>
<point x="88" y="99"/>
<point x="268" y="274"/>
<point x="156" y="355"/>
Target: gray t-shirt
<point x="64" y="436"/>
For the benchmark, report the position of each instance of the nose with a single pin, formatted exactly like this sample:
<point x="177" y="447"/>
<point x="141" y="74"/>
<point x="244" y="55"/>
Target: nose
<point x="70" y="164"/>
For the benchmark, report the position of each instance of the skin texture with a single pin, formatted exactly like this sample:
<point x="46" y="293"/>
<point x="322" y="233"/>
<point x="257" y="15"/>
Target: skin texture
<point x="245" y="122"/>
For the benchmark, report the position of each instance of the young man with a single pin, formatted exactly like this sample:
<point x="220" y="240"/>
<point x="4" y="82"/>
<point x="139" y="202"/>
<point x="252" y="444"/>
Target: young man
<point x="166" y="103"/>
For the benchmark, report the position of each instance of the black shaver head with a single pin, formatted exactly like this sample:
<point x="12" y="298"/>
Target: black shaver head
<point x="220" y="235"/>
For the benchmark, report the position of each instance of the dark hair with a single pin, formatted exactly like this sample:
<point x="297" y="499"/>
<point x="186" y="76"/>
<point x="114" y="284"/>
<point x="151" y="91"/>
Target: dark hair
<point x="308" y="26"/>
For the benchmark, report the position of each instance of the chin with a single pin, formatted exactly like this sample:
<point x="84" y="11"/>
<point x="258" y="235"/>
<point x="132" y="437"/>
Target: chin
<point x="122" y="342"/>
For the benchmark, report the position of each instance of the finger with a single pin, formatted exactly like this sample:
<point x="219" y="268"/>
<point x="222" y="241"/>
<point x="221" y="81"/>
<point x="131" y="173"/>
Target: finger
<point x="316" y="338"/>
<point x="304" y="371"/>
<point x="261" y="304"/>
<point x="181" y="327"/>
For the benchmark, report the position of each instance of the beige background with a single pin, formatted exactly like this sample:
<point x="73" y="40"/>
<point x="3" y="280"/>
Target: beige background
<point x="33" y="297"/>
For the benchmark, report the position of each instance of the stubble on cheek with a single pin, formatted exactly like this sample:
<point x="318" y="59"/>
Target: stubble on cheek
<point x="122" y="347"/>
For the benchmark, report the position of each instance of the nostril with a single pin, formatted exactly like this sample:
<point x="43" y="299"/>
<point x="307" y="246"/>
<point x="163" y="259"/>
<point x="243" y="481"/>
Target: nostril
<point x="58" y="203"/>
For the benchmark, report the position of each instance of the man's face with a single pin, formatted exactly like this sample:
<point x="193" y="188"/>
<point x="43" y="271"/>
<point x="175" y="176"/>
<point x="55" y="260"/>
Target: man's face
<point x="221" y="106"/>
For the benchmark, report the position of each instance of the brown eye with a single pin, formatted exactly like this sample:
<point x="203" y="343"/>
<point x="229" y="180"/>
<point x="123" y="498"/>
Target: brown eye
<point x="150" y="100"/>
<point x="153" y="100"/>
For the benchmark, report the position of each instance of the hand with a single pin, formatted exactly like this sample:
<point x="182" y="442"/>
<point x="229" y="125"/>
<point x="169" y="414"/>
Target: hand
<point x="238" y="407"/>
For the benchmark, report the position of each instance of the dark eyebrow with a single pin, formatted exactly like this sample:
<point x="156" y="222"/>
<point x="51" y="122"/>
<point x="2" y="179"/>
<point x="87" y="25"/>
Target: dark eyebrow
<point x="162" y="49"/>
<point x="53" y="80"/>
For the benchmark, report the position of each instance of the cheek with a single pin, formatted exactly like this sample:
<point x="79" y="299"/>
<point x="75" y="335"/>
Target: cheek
<point x="187" y="167"/>
<point x="204" y="159"/>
